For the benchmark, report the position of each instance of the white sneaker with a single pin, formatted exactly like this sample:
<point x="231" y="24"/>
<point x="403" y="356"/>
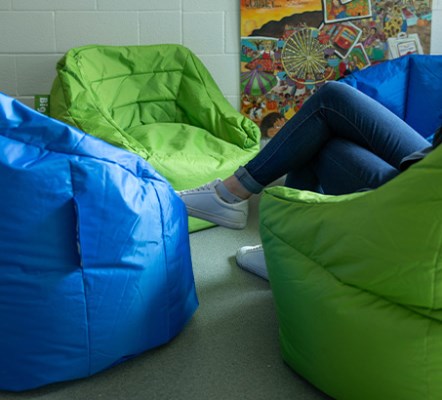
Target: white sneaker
<point x="204" y="202"/>
<point x="251" y="258"/>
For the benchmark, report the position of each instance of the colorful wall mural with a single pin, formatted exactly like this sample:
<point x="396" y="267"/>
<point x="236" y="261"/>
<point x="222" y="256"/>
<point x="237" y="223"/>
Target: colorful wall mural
<point x="289" y="48"/>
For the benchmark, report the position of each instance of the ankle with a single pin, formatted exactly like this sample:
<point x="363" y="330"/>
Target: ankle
<point x="226" y="195"/>
<point x="234" y="186"/>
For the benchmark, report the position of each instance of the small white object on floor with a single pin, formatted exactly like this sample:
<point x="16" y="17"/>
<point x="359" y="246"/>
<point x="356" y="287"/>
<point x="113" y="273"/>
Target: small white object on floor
<point x="251" y="259"/>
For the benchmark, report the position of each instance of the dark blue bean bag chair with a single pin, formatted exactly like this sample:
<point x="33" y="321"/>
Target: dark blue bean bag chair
<point x="95" y="265"/>
<point x="410" y="86"/>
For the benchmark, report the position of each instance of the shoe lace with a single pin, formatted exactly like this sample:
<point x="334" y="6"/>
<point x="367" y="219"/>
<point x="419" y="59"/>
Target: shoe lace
<point x="203" y="188"/>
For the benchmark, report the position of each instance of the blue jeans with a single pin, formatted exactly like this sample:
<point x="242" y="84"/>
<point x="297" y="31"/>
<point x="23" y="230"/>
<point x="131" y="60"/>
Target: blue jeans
<point x="340" y="141"/>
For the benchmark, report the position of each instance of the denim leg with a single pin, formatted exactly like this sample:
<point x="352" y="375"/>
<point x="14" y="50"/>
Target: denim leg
<point x="305" y="178"/>
<point x="344" y="167"/>
<point x="334" y="111"/>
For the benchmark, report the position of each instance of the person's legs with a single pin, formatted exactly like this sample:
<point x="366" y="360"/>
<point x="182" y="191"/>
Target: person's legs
<point x="335" y="110"/>
<point x="341" y="167"/>
<point x="344" y="167"/>
<point x="304" y="178"/>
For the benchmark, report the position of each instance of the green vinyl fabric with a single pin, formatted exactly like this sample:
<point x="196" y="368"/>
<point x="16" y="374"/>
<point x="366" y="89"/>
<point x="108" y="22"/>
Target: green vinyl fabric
<point x="357" y="283"/>
<point x="159" y="102"/>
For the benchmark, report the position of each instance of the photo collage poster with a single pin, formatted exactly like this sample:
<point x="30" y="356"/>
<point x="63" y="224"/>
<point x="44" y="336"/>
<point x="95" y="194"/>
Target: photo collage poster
<point x="289" y="48"/>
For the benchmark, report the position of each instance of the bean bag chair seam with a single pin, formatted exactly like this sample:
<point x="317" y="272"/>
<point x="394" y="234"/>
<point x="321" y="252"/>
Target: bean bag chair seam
<point x="66" y="100"/>
<point x="84" y="76"/>
<point x="81" y="266"/>
<point x="343" y="283"/>
<point x="99" y="110"/>
<point x="216" y="103"/>
<point x="138" y="174"/>
<point x="135" y="74"/>
<point x="165" y="255"/>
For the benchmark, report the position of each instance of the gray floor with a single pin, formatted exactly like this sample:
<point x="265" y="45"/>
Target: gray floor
<point x="228" y="351"/>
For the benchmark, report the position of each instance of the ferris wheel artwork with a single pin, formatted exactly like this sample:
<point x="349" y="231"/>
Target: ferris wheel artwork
<point x="290" y="48"/>
<point x="305" y="58"/>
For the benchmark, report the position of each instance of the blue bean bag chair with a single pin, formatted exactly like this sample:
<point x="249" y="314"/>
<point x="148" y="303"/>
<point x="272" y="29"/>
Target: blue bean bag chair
<point x="95" y="265"/>
<point x="410" y="86"/>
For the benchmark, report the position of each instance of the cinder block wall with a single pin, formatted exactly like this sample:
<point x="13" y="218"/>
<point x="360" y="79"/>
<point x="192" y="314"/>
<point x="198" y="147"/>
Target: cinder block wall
<point x="34" y="34"/>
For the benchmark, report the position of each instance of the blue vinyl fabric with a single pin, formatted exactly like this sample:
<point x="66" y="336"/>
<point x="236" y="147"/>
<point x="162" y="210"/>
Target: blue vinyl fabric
<point x="410" y="86"/>
<point x="95" y="263"/>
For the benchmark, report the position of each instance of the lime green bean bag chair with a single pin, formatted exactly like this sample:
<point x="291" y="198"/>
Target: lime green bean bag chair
<point x="357" y="283"/>
<point x="159" y="102"/>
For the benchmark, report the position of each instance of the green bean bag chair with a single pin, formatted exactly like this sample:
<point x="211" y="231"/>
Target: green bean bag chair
<point x="357" y="285"/>
<point x="159" y="102"/>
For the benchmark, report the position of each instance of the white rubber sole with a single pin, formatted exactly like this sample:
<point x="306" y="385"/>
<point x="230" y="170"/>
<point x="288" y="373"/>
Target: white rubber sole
<point x="217" y="219"/>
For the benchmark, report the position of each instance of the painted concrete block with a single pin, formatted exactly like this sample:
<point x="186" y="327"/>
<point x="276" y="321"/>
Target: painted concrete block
<point x="139" y="5"/>
<point x="204" y="32"/>
<point x="35" y="73"/>
<point x="234" y="101"/>
<point x="8" y="76"/>
<point x="160" y="27"/>
<point x="74" y="29"/>
<point x="210" y="5"/>
<point x="54" y="5"/>
<point x="5" y="4"/>
<point x="26" y="32"/>
<point x="225" y="70"/>
<point x="27" y="100"/>
<point x="232" y="32"/>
